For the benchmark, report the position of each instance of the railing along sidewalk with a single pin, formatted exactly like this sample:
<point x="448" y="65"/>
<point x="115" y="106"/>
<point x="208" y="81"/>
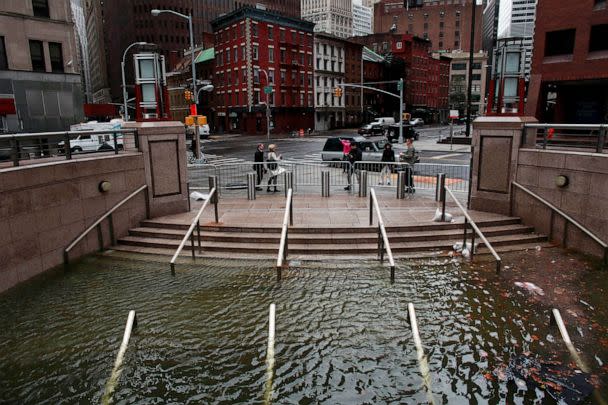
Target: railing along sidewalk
<point x="284" y="244"/>
<point x="568" y="219"/>
<point x="469" y="221"/>
<point x="383" y="243"/>
<point x="97" y="224"/>
<point x="49" y="144"/>
<point x="570" y="136"/>
<point x="195" y="223"/>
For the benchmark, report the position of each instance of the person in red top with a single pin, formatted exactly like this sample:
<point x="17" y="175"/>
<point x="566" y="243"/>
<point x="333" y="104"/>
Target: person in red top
<point x="345" y="150"/>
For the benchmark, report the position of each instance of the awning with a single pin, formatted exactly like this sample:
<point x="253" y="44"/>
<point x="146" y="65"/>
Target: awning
<point x="205" y="55"/>
<point x="7" y="106"/>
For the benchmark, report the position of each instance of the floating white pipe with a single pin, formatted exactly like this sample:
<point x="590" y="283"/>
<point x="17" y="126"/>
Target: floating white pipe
<point x="111" y="384"/>
<point x="566" y="337"/>
<point x="270" y="356"/>
<point x="422" y="361"/>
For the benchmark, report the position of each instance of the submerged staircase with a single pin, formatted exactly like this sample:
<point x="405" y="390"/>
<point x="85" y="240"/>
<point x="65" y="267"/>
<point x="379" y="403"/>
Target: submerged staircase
<point x="408" y="241"/>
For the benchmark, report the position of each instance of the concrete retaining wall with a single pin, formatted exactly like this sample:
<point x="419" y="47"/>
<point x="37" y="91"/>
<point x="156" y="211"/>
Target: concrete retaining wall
<point x="585" y="198"/>
<point x="43" y="208"/>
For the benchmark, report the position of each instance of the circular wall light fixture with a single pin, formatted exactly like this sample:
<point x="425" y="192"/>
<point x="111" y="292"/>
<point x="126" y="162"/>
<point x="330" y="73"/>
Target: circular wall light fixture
<point x="561" y="181"/>
<point x="104" y="186"/>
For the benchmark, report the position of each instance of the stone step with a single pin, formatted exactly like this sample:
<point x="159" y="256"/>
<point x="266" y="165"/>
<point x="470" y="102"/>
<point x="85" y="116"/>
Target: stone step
<point x="156" y="224"/>
<point x="166" y="254"/>
<point x="313" y="247"/>
<point x="326" y="236"/>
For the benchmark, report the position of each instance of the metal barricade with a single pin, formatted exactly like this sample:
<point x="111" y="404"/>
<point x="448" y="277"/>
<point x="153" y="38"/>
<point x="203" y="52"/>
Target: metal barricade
<point x="251" y="177"/>
<point x="363" y="184"/>
<point x="325" y="183"/>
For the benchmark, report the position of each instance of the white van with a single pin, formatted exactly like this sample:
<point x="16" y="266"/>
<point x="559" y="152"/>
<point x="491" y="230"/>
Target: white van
<point x="384" y="121"/>
<point x="96" y="142"/>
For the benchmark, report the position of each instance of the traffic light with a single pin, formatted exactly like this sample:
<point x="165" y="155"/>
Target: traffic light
<point x="188" y="95"/>
<point x="400" y="85"/>
<point x="338" y="92"/>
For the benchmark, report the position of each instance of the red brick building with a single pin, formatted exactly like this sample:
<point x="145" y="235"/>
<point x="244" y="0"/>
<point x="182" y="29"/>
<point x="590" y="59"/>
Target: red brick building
<point x="569" y="77"/>
<point x="352" y="74"/>
<point x="426" y="78"/>
<point x="446" y="23"/>
<point x="255" y="48"/>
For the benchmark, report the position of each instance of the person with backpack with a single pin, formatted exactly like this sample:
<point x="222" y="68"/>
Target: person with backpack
<point x="258" y="165"/>
<point x="411" y="157"/>
<point x="272" y="166"/>
<point x="388" y="155"/>
<point x="355" y="155"/>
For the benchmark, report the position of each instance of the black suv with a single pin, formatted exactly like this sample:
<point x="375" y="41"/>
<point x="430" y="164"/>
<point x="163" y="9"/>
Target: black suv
<point x="408" y="132"/>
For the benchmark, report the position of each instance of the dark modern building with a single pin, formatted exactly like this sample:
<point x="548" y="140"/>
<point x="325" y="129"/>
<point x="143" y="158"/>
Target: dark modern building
<point x="255" y="49"/>
<point x="446" y="23"/>
<point x="40" y="83"/>
<point x="569" y="80"/>
<point x="128" y="21"/>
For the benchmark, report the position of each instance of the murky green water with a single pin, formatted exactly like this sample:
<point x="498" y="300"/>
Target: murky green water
<point x="342" y="334"/>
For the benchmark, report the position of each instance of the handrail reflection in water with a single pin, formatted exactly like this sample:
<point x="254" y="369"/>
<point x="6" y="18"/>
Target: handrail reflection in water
<point x="383" y="242"/>
<point x="422" y="361"/>
<point x="270" y="355"/>
<point x="117" y="370"/>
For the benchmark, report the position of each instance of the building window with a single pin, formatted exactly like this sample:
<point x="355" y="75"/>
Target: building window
<point x="255" y="52"/>
<point x="282" y="77"/>
<point x="271" y="76"/>
<point x="426" y="26"/>
<point x="228" y="56"/>
<point x="271" y="55"/>
<point x="236" y="55"/>
<point x="598" y="38"/>
<point x="560" y="42"/>
<point x="3" y="58"/>
<point x="41" y="8"/>
<point x="475" y="76"/>
<point x="256" y="75"/>
<point x="270" y="33"/>
<point x="282" y="35"/>
<point x="282" y="55"/>
<point x="56" y="55"/>
<point x="457" y="44"/>
<point x="477" y="66"/>
<point x="254" y="30"/>
<point x="37" y="55"/>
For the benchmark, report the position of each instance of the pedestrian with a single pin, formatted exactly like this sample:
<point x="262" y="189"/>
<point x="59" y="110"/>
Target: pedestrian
<point x="355" y="155"/>
<point x="345" y="151"/>
<point x="258" y="165"/>
<point x="410" y="156"/>
<point x="273" y="167"/>
<point x="388" y="155"/>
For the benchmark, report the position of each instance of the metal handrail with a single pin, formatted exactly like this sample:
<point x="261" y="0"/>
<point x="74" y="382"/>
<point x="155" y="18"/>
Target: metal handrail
<point x="383" y="242"/>
<point x="287" y="220"/>
<point x="190" y="234"/>
<point x="568" y="219"/>
<point x="602" y="135"/>
<point x="469" y="220"/>
<point x="97" y="224"/>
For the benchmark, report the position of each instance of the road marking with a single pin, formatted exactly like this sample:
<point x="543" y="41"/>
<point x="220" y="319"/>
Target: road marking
<point x="449" y="155"/>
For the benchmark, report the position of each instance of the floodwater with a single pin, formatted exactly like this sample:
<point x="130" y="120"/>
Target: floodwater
<point x="342" y="333"/>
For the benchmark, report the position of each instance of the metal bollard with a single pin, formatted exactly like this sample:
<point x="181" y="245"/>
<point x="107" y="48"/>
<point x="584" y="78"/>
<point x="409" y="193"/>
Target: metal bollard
<point x="325" y="183"/>
<point x="363" y="184"/>
<point x="439" y="184"/>
<point x="213" y="183"/>
<point x="401" y="185"/>
<point x="288" y="181"/>
<point x="251" y="178"/>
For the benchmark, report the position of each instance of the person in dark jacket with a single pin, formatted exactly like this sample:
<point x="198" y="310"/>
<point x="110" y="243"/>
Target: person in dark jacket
<point x="258" y="158"/>
<point x="355" y="155"/>
<point x="387" y="156"/>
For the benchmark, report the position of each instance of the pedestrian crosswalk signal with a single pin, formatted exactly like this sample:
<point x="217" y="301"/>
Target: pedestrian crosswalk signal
<point x="338" y="92"/>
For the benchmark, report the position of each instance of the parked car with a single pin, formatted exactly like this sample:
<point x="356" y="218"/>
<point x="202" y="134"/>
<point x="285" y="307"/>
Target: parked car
<point x="371" y="129"/>
<point x="416" y="122"/>
<point x="371" y="149"/>
<point x="408" y="132"/>
<point x="203" y="131"/>
<point x="92" y="143"/>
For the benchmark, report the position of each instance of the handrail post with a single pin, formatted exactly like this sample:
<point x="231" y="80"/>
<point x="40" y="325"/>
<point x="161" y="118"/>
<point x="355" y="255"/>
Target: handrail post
<point x="511" y="195"/>
<point x="15" y="151"/>
<point x="472" y="244"/>
<point x="545" y="138"/>
<point x="291" y="210"/>
<point x="115" y="144"/>
<point x="379" y="238"/>
<point x="464" y="240"/>
<point x="198" y="229"/>
<point x="147" y="197"/>
<point x="601" y="138"/>
<point x="188" y="191"/>
<point x="100" y="237"/>
<point x="111" y="225"/>
<point x="371" y="209"/>
<point x="68" y="147"/>
<point x="443" y="198"/>
<point x="286" y="250"/>
<point x="192" y="245"/>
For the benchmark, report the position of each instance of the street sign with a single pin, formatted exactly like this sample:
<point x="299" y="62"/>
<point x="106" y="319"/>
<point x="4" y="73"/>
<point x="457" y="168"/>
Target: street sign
<point x="267" y="89"/>
<point x="454" y="114"/>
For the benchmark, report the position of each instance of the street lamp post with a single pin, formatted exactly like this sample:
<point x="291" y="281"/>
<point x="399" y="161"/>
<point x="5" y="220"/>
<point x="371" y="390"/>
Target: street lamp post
<point x="155" y="12"/>
<point x="470" y="72"/>
<point x="124" y="86"/>
<point x="267" y="106"/>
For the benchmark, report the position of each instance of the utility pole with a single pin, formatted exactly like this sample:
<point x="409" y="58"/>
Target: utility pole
<point x="470" y="74"/>
<point x="400" y="87"/>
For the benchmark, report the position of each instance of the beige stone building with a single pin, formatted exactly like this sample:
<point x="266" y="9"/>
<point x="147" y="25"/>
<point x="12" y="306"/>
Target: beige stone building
<point x="40" y="85"/>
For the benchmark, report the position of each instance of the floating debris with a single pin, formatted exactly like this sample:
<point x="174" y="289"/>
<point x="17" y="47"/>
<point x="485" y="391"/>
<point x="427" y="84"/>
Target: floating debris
<point x="294" y="262"/>
<point x="587" y="304"/>
<point x="530" y="287"/>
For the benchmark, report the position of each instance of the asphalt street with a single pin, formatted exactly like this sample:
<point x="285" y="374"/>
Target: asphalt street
<point x="237" y="148"/>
